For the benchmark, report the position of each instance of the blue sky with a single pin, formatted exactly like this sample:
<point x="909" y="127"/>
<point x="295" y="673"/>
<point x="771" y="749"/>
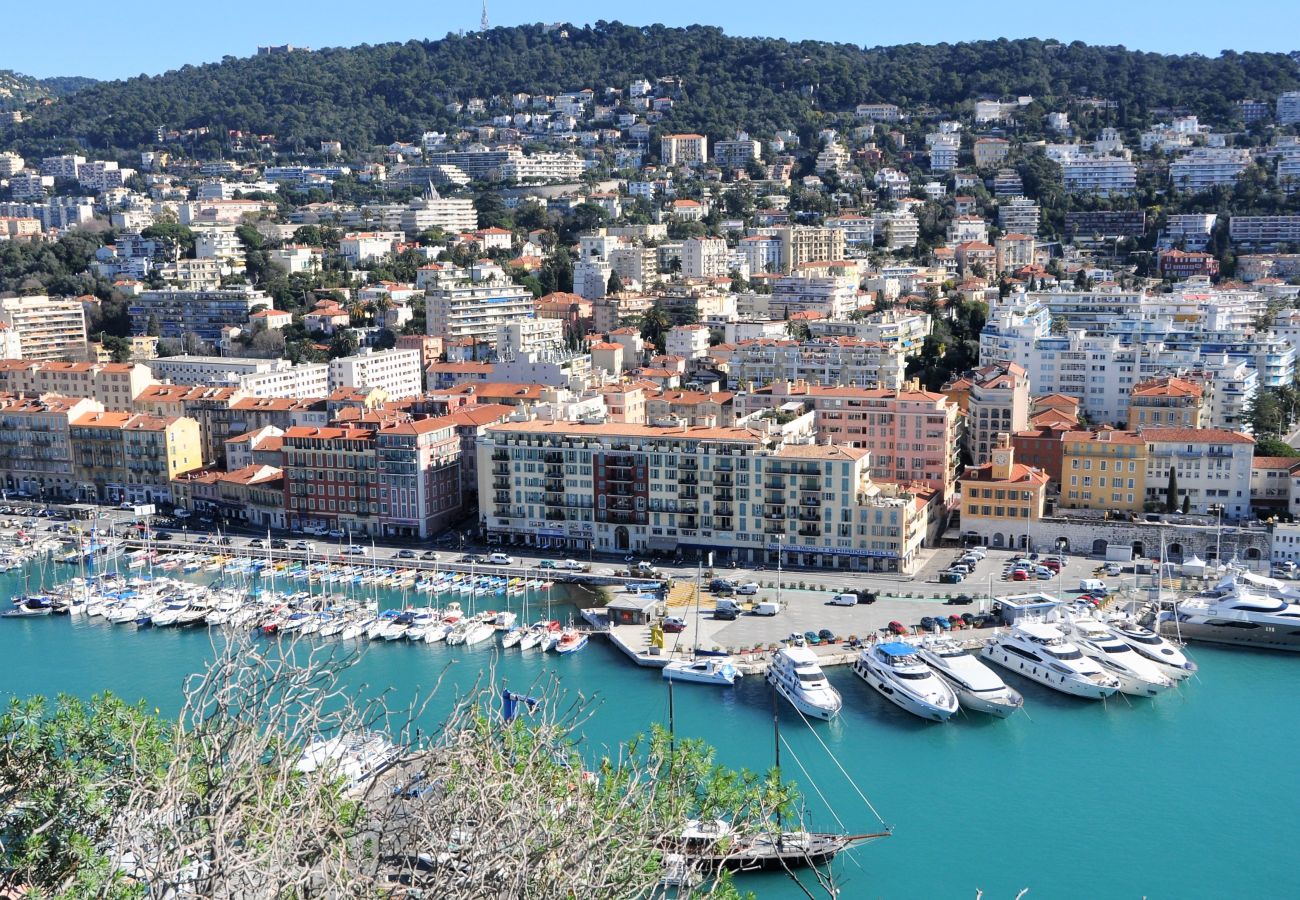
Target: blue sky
<point x="116" y="41"/>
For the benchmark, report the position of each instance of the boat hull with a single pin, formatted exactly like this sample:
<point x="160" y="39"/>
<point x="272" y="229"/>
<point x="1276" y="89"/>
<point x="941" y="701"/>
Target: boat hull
<point x="903" y="701"/>
<point x="1237" y="634"/>
<point x="808" y="709"/>
<point x="1072" y="685"/>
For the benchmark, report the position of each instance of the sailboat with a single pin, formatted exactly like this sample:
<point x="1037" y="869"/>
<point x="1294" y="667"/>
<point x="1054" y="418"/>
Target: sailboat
<point x="701" y="669"/>
<point x="714" y="844"/>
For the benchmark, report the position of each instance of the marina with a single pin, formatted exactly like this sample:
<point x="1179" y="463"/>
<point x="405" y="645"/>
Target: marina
<point x="887" y="750"/>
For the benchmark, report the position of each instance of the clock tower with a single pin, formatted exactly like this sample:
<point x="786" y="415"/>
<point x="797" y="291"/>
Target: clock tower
<point x="1003" y="457"/>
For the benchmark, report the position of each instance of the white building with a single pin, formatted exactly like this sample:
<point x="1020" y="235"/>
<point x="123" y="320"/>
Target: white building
<point x="368" y="246"/>
<point x="48" y="328"/>
<point x="705" y="257"/>
<point x="529" y="335"/>
<point x="475" y="309"/>
<point x="432" y="210"/>
<point x="1262" y="231"/>
<point x="398" y="373"/>
<point x="1206" y="167"/>
<point x="1288" y="108"/>
<point x="1101" y="175"/>
<point x="1212" y="467"/>
<point x="899" y="227"/>
<point x="687" y="341"/>
<point x="1019" y="214"/>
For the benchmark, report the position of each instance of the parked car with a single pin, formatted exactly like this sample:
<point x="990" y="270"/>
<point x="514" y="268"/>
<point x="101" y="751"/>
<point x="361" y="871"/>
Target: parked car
<point x="257" y="542"/>
<point x="844" y="600"/>
<point x="1053" y="564"/>
<point x="355" y="550"/>
<point x="472" y="558"/>
<point x="406" y="554"/>
<point x="961" y="567"/>
<point x="1044" y="573"/>
<point x="429" y="554"/>
<point x="725" y="608"/>
<point x="1113" y="568"/>
<point x="336" y="533"/>
<point x="279" y="544"/>
<point x="767" y="608"/>
<point x="1019" y="575"/>
<point x="951" y="577"/>
<point x="722" y="586"/>
<point x="674" y="625"/>
<point x="749" y="588"/>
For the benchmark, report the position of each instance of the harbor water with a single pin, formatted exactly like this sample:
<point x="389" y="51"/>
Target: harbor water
<point x="1186" y="795"/>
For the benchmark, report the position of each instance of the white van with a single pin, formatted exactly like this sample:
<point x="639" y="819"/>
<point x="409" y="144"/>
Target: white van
<point x="500" y="559"/>
<point x="844" y="600"/>
<point x="1091" y="584"/>
<point x="767" y="608"/>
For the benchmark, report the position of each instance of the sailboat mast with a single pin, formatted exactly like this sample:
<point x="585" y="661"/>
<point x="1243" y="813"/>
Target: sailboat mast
<point x="776" y="756"/>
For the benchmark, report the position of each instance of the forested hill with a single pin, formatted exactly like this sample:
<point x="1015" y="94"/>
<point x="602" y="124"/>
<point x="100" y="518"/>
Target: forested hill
<point x="376" y="94"/>
<point x="17" y="90"/>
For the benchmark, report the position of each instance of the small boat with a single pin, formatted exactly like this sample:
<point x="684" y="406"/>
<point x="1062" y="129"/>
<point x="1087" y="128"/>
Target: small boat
<point x="512" y="636"/>
<point x="900" y="675"/>
<point x="571" y="641"/>
<point x="29" y="606"/>
<point x="798" y="678"/>
<point x="704" y="670"/>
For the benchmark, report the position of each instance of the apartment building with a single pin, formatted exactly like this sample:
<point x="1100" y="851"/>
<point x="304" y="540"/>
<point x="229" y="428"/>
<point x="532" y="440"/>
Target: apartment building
<point x="878" y="112"/>
<point x="1168" y="402"/>
<point x="828" y="361"/>
<point x="1014" y="252"/>
<point x="735" y="154"/>
<point x="331" y="479"/>
<point x="132" y="456"/>
<point x="899" y="227"/>
<point x="997" y="403"/>
<point x="1264" y="231"/>
<point x="1019" y="215"/>
<point x="48" y="328"/>
<point x="991" y="151"/>
<point x="683" y="149"/>
<point x="1103" y="470"/>
<point x="620" y="488"/>
<point x="114" y="385"/>
<point x="431" y="210"/>
<point x="475" y="309"/>
<point x="1208" y="167"/>
<point x="36" y="454"/>
<point x="1288" y="108"/>
<point x="421" y="485"/>
<point x="705" y="257"/>
<point x="1002" y="498"/>
<point x="912" y="434"/>
<point x="205" y="313"/>
<point x="830" y="290"/>
<point x="543" y="167"/>
<point x="859" y="230"/>
<point x="398" y="373"/>
<point x="251" y="495"/>
<point x="1102" y="176"/>
<point x="802" y="244"/>
<point x="1212" y="467"/>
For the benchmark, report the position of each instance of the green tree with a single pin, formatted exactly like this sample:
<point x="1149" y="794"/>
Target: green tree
<point x="1171" y="491"/>
<point x="615" y="284"/>
<point x="654" y="326"/>
<point x="344" y="343"/>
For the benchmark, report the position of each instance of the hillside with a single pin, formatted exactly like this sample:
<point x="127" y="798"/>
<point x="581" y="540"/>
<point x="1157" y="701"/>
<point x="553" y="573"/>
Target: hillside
<point x="17" y="90"/>
<point x="375" y="94"/>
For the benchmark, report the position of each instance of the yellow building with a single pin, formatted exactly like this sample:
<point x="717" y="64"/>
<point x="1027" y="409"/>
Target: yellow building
<point x="120" y="456"/>
<point x="1168" y="403"/>
<point x="1103" y="470"/>
<point x="1002" y="497"/>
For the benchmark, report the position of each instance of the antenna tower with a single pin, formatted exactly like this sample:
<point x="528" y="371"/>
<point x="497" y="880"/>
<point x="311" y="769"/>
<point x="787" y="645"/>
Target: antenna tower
<point x="483" y="22"/>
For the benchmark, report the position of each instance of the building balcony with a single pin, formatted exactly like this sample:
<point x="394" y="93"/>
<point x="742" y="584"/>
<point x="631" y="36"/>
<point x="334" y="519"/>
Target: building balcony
<point x="501" y="469"/>
<point x="774" y="512"/>
<point x="688" y="465"/>
<point x="810" y="501"/>
<point x="774" y="529"/>
<point x="501" y="497"/>
<point x="500" y="455"/>
<point x="501" y="484"/>
<point x="687" y="478"/>
<point x="808" y="516"/>
<point x="723" y="494"/>
<point x="553" y="456"/>
<point x="723" y="479"/>
<point x="810" y="532"/>
<point x="554" y="470"/>
<point x="554" y="484"/>
<point x="774" y="484"/>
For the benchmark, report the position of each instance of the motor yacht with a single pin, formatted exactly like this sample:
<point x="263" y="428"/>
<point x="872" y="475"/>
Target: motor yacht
<point x="1039" y="651"/>
<point x="901" y="676"/>
<point x="1244" y="609"/>
<point x="978" y="687"/>
<point x="1137" y="675"/>
<point x="1165" y="653"/>
<point x="798" y="678"/>
<point x="703" y="670"/>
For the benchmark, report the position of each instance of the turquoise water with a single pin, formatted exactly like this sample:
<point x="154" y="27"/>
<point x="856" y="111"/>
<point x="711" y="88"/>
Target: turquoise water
<point x="1189" y="795"/>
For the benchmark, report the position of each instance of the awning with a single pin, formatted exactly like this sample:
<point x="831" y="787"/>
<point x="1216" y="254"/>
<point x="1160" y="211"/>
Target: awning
<point x="662" y="543"/>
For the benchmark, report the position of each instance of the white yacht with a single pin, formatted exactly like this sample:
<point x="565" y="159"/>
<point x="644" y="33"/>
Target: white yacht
<point x="1137" y="675"/>
<point x="1039" y="651"/>
<point x="703" y="670"/>
<point x="1166" y="654"/>
<point x="1244" y="609"/>
<point x="795" y="674"/>
<point x="978" y="687"/>
<point x="171" y="613"/>
<point x="897" y="671"/>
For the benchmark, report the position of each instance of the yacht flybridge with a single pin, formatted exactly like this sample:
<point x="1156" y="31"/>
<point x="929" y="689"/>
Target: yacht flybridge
<point x="900" y="675"/>
<point x="978" y="687"/>
<point x="798" y="678"/>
